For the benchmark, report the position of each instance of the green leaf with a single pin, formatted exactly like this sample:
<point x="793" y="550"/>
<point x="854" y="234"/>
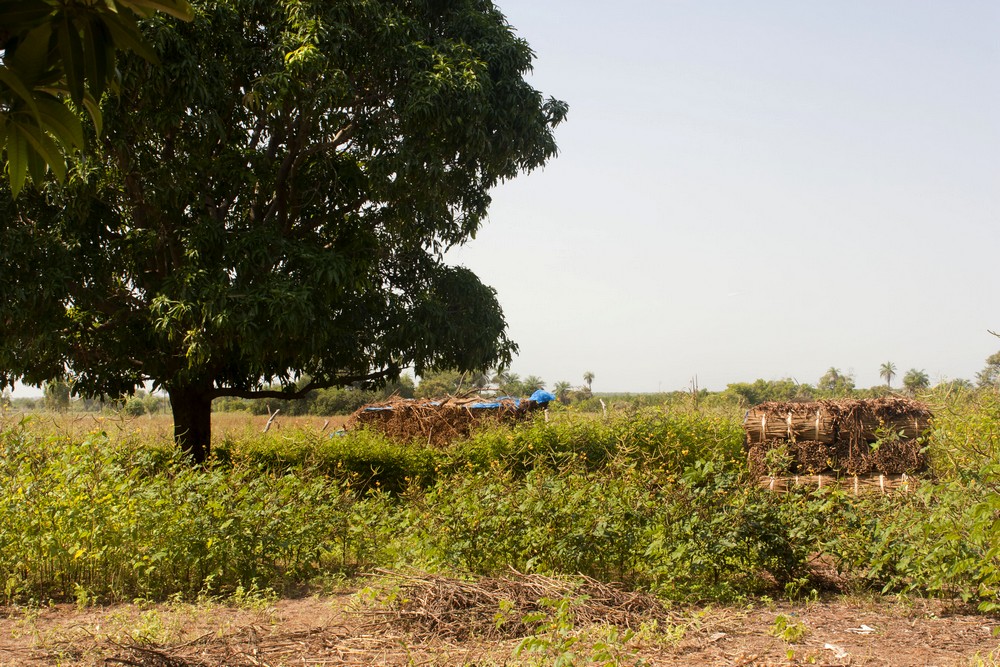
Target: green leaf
<point x="61" y="123"/>
<point x="96" y="40"/>
<point x="13" y="81"/>
<point x="125" y="33"/>
<point x="71" y="52"/>
<point x="17" y="159"/>
<point x="47" y="149"/>
<point x="94" y="109"/>
<point x="36" y="166"/>
<point x="176" y="8"/>
<point x="31" y="57"/>
<point x="25" y="13"/>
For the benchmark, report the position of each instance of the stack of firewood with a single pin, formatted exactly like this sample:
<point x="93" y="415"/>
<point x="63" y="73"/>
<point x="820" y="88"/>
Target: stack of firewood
<point x="437" y="421"/>
<point x="853" y="437"/>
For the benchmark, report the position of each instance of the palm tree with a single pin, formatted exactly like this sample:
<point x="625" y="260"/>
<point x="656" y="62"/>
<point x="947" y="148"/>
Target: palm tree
<point x="887" y="372"/>
<point x="532" y="383"/>
<point x="562" y="391"/>
<point x="830" y="379"/>
<point x="507" y="382"/>
<point x="588" y="377"/>
<point x="915" y="381"/>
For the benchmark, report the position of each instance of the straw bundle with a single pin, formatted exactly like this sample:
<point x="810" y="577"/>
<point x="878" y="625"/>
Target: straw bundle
<point x="789" y="421"/>
<point x="856" y="484"/>
<point x="898" y="456"/>
<point x="851" y="459"/>
<point x="811" y="456"/>
<point x="846" y="436"/>
<point x="436" y="422"/>
<point x="497" y="608"/>
<point x="776" y="457"/>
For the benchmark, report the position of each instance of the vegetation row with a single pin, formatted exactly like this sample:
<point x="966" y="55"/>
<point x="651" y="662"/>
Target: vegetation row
<point x="657" y="499"/>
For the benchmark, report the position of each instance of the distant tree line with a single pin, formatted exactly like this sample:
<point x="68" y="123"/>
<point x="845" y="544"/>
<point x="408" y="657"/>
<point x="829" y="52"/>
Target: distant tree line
<point x="834" y="383"/>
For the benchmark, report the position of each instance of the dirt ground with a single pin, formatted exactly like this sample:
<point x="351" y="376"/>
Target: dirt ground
<point x="338" y="630"/>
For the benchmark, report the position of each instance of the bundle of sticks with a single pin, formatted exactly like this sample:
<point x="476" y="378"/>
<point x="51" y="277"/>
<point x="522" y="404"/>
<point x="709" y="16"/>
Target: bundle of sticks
<point x="437" y="421"/>
<point x="501" y="607"/>
<point x="855" y="436"/>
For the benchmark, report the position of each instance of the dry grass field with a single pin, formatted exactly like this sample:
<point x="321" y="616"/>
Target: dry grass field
<point x="337" y="629"/>
<point x="159" y="427"/>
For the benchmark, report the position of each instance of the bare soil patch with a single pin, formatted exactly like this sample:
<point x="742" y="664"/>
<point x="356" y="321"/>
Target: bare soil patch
<point x="419" y="621"/>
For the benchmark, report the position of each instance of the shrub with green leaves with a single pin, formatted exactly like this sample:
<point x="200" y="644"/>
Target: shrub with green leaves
<point x="668" y="442"/>
<point x="940" y="541"/>
<point x="965" y="435"/>
<point x="126" y="523"/>
<point x="361" y="460"/>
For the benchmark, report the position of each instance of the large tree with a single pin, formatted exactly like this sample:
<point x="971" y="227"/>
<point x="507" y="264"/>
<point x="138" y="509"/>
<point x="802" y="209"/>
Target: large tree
<point x="272" y="202"/>
<point x="990" y="375"/>
<point x="836" y="383"/>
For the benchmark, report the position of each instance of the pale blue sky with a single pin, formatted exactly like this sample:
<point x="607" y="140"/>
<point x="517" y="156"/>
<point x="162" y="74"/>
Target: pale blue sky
<point x="755" y="189"/>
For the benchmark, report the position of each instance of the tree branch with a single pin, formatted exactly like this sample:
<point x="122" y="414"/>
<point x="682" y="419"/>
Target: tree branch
<point x="281" y="181"/>
<point x="258" y="130"/>
<point x="312" y="385"/>
<point x="342" y="137"/>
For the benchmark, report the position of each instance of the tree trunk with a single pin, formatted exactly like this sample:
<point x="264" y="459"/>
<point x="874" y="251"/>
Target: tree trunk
<point x="192" y="408"/>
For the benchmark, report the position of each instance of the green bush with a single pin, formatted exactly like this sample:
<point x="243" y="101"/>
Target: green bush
<point x="570" y="521"/>
<point x="361" y="460"/>
<point x="121" y="524"/>
<point x="668" y="442"/>
<point x="702" y="536"/>
<point x="965" y="434"/>
<point x="940" y="541"/>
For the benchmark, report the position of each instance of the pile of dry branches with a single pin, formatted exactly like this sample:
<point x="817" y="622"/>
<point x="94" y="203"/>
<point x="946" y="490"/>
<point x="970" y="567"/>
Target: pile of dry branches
<point x="496" y="608"/>
<point x="856" y="437"/>
<point x="408" y="610"/>
<point x="438" y="421"/>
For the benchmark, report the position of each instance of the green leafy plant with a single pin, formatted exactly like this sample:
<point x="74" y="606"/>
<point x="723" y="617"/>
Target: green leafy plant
<point x="777" y="460"/>
<point x="787" y="629"/>
<point x="557" y="640"/>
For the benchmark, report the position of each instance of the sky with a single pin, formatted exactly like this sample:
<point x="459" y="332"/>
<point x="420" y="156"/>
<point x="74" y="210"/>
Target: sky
<point x="754" y="190"/>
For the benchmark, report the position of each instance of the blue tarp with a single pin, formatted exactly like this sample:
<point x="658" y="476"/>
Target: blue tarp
<point x="495" y="403"/>
<point x="542" y="396"/>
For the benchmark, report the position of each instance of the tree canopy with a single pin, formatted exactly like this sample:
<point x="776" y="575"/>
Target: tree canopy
<point x="273" y="202"/>
<point x="916" y="380"/>
<point x="835" y="382"/>
<point x="990" y="375"/>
